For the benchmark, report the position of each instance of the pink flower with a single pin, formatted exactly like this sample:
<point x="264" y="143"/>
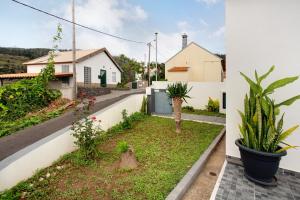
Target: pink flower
<point x="94" y="118"/>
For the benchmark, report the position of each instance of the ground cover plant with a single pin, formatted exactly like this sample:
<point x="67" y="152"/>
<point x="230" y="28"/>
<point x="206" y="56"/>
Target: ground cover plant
<point x="191" y="110"/>
<point x="54" y="109"/>
<point x="164" y="157"/>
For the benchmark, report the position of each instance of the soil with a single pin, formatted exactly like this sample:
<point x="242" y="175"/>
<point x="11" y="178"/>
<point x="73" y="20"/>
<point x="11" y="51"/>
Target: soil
<point x="128" y="160"/>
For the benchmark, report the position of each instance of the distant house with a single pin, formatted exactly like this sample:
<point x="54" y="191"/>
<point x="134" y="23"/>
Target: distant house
<point x="95" y="68"/>
<point x="194" y="64"/>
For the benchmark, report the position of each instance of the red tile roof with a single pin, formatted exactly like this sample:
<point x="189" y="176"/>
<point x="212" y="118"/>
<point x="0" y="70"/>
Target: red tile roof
<point x="31" y="75"/>
<point x="178" y="69"/>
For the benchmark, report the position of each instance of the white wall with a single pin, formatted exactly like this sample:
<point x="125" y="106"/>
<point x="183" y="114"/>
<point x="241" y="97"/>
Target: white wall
<point x="261" y="33"/>
<point x="43" y="153"/>
<point x="97" y="62"/>
<point x="199" y="93"/>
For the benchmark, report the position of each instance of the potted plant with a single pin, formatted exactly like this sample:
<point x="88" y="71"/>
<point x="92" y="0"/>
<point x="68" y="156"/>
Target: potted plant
<point x="261" y="131"/>
<point x="178" y="93"/>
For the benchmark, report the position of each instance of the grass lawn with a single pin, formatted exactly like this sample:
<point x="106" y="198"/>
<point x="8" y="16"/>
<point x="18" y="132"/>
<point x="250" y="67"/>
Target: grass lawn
<point x="203" y="112"/>
<point x="164" y="158"/>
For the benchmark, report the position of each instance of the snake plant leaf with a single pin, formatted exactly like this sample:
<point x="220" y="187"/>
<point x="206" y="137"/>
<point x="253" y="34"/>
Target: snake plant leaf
<point x="288" y="101"/>
<point x="279" y="83"/>
<point x="280" y="124"/>
<point x="244" y="136"/>
<point x="256" y="76"/>
<point x="266" y="74"/>
<point x="252" y="138"/>
<point x="286" y="133"/>
<point x="259" y="119"/>
<point x="265" y="106"/>
<point x="285" y="148"/>
<point x="253" y="85"/>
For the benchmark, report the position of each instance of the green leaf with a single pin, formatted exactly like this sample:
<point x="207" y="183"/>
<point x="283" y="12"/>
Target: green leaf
<point x="266" y="74"/>
<point x="286" y="133"/>
<point x="252" y="84"/>
<point x="288" y="101"/>
<point x="286" y="148"/>
<point x="279" y="83"/>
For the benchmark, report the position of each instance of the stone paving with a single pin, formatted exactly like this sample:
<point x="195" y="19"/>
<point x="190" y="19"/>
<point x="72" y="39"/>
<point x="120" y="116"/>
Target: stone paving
<point x="235" y="186"/>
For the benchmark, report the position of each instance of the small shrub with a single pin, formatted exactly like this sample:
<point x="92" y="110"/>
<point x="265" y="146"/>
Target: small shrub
<point x="189" y="108"/>
<point x="213" y="105"/>
<point x="87" y="134"/>
<point x="122" y="147"/>
<point x="144" y="105"/>
<point x="127" y="122"/>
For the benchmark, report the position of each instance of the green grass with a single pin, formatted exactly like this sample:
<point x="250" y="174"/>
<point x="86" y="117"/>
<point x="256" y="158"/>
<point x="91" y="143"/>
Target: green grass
<point x="12" y="63"/>
<point x="203" y="112"/>
<point x="164" y="158"/>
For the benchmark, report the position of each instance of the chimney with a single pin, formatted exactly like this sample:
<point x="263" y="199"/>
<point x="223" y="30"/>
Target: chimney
<point x="184" y="40"/>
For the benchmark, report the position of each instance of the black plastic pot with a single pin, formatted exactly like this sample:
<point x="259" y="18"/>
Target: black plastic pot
<point x="260" y="167"/>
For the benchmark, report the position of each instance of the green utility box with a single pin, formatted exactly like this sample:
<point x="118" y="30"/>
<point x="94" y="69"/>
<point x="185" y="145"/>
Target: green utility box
<point x="134" y="85"/>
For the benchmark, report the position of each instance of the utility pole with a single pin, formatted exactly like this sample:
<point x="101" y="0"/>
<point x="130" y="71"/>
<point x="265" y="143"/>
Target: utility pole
<point x="74" y="52"/>
<point x="156" y="55"/>
<point x="148" y="68"/>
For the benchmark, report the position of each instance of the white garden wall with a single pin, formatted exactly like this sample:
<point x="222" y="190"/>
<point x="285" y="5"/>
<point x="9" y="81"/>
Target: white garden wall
<point x="199" y="93"/>
<point x="261" y="33"/>
<point x="43" y="153"/>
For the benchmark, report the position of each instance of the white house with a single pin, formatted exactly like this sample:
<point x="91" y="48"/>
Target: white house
<point x="95" y="67"/>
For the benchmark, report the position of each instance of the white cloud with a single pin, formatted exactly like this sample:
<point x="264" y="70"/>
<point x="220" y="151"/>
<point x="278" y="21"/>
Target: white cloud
<point x="208" y="2"/>
<point x="218" y="33"/>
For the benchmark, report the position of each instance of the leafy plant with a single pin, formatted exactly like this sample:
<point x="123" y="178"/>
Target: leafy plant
<point x="213" y="105"/>
<point x="178" y="92"/>
<point x="259" y="129"/>
<point x="21" y="97"/>
<point x="86" y="131"/>
<point x="122" y="146"/>
<point x="144" y="105"/>
<point x="127" y="122"/>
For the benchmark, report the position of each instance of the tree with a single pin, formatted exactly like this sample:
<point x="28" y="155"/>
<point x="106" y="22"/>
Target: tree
<point x="129" y="66"/>
<point x="178" y="92"/>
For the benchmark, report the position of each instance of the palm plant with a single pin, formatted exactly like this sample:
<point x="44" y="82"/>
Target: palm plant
<point x="178" y="92"/>
<point x="259" y="129"/>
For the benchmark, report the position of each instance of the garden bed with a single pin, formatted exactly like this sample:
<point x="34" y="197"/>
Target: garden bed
<point x="163" y="157"/>
<point x="54" y="109"/>
<point x="203" y="112"/>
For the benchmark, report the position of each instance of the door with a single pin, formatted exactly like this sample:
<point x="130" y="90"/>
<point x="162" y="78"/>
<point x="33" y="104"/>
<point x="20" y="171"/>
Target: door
<point x="103" y="78"/>
<point x="163" y="104"/>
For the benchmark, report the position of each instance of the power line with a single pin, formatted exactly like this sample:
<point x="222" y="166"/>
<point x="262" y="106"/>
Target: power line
<point x="80" y="25"/>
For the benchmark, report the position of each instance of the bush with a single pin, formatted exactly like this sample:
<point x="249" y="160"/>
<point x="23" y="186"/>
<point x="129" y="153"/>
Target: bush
<point x="122" y="147"/>
<point x="213" y="105"/>
<point x="87" y="134"/>
<point x="189" y="108"/>
<point x="127" y="122"/>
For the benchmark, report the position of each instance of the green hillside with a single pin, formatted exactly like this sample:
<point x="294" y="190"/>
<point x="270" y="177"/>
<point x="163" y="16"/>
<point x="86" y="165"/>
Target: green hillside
<point x="12" y="64"/>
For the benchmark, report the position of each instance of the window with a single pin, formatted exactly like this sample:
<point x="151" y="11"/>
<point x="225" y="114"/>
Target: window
<point x="114" y="77"/>
<point x="87" y="75"/>
<point x="224" y="100"/>
<point x="65" y="81"/>
<point x="65" y="68"/>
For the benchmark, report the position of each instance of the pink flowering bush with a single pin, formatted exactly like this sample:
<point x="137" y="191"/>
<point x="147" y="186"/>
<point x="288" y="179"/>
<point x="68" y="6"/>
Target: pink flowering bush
<point x="86" y="129"/>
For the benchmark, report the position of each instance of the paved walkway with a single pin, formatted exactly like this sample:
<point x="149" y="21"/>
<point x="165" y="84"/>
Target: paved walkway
<point x="204" y="184"/>
<point x="15" y="142"/>
<point x="204" y="118"/>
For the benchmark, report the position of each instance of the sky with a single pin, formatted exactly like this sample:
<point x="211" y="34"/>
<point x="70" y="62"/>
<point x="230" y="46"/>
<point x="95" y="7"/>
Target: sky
<point x="202" y="20"/>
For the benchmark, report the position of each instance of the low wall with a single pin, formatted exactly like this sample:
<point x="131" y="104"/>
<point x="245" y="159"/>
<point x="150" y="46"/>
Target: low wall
<point x="93" y="91"/>
<point x="199" y="93"/>
<point x="43" y="153"/>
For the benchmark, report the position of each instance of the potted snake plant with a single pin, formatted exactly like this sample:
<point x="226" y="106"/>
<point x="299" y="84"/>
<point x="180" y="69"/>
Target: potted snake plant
<point x="262" y="142"/>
